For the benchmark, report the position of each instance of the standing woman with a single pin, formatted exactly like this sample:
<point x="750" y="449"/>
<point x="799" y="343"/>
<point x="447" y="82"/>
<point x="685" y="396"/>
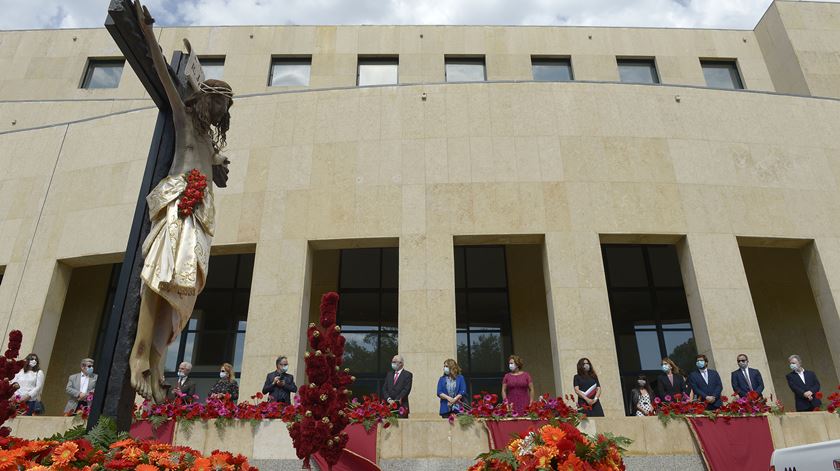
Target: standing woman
<point x="225" y="385"/>
<point x="641" y="397"/>
<point x="670" y="382"/>
<point x="587" y="388"/>
<point x="517" y="387"/>
<point x="451" y="388"/>
<point x="31" y="382"/>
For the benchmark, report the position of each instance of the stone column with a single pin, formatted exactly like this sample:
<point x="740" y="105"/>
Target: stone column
<point x="278" y="313"/>
<point x="426" y="314"/>
<point x="822" y="262"/>
<point x="719" y="301"/>
<point x="579" y="321"/>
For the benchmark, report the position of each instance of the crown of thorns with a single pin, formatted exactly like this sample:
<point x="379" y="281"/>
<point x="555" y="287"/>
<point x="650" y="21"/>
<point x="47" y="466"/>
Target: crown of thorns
<point x="204" y="87"/>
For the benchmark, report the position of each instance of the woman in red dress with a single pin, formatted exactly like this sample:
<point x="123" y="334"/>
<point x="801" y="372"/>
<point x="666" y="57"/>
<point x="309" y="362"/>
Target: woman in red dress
<point x="517" y="387"/>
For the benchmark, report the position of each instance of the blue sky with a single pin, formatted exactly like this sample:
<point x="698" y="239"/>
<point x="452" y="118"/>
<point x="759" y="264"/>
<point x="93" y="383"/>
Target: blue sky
<point x="743" y="14"/>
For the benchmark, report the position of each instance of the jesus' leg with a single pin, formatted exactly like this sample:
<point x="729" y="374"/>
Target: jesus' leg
<point x="161" y="338"/>
<point x="139" y="360"/>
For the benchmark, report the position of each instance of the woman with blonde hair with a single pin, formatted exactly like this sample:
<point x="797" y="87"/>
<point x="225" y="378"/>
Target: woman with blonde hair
<point x="225" y="385"/>
<point x="671" y="382"/>
<point x="451" y="389"/>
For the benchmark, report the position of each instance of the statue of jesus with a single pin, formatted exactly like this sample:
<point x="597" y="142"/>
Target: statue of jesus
<point x="177" y="250"/>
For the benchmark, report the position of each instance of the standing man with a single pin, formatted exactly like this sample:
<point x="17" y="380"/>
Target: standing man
<point x="183" y="385"/>
<point x="746" y="379"/>
<point x="804" y="385"/>
<point x="79" y="386"/>
<point x="279" y="384"/>
<point x="706" y="383"/>
<point x="397" y="386"/>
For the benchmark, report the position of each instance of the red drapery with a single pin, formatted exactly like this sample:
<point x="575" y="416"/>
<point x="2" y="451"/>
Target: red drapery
<point x="143" y="430"/>
<point x="501" y="432"/>
<point x="358" y="455"/>
<point x="742" y="443"/>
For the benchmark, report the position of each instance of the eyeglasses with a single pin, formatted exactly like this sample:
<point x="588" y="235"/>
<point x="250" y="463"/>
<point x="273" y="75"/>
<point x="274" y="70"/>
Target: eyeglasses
<point x="88" y="365"/>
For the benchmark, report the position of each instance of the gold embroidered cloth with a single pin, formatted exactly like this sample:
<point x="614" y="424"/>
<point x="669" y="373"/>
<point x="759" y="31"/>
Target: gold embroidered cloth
<point x="176" y="253"/>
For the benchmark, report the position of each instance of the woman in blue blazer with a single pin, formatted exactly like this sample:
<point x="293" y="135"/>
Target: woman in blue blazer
<point x="451" y="389"/>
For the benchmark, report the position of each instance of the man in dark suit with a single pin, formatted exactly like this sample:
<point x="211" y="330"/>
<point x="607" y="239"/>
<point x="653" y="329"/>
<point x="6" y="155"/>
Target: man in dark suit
<point x="804" y="385"/>
<point x="279" y="384"/>
<point x="706" y="383"/>
<point x="397" y="385"/>
<point x="183" y="385"/>
<point x="746" y="379"/>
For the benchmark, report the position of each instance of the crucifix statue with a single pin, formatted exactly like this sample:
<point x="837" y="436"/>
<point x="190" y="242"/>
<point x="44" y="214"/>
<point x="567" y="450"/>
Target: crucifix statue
<point x="177" y="249"/>
<point x="165" y="264"/>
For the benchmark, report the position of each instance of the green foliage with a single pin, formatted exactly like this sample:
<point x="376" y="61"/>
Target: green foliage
<point x="158" y="420"/>
<point x="78" y="431"/>
<point x="104" y="433"/>
<point x="503" y="456"/>
<point x="465" y="420"/>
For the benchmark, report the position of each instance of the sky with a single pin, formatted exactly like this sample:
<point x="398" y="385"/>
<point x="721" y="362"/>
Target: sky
<point x="739" y="14"/>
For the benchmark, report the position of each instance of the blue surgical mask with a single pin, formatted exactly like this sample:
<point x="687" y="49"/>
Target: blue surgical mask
<point x="89" y="370"/>
<point x="512" y="366"/>
<point x="666" y="368"/>
<point x="794" y="366"/>
<point x="701" y="364"/>
<point x="394" y="366"/>
<point x="284" y="368"/>
<point x="446" y="370"/>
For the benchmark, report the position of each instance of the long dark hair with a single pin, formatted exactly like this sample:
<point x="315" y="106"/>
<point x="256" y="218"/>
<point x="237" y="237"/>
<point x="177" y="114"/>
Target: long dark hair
<point x="198" y="107"/>
<point x="36" y="368"/>
<point x="646" y="387"/>
<point x="591" y="373"/>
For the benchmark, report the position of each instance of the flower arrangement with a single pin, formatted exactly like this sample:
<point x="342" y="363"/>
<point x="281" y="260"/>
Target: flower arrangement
<point x="9" y="367"/>
<point x="487" y="406"/>
<point x="680" y="406"/>
<point x="834" y="402"/>
<point x="193" y="193"/>
<point x="103" y="448"/>
<point x="556" y="447"/>
<point x="370" y="412"/>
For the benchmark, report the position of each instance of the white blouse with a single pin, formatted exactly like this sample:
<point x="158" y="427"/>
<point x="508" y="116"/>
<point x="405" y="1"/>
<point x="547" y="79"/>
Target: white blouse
<point x="31" y="384"/>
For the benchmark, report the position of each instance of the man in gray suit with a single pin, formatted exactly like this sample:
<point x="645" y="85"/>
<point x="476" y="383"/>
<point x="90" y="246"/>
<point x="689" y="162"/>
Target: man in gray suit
<point x="79" y="386"/>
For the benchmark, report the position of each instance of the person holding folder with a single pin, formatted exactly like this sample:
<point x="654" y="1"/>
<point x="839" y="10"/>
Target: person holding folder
<point x="587" y="389"/>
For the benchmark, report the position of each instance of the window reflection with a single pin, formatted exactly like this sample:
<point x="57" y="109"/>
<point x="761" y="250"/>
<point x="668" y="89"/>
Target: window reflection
<point x="103" y="74"/>
<point x="465" y="70"/>
<point x="637" y="71"/>
<point x="289" y="72"/>
<point x="378" y="72"/>
<point x="551" y="70"/>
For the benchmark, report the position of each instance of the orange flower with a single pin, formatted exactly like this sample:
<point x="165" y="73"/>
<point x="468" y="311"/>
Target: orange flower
<point x="146" y="467"/>
<point x="202" y="464"/>
<point x="514" y="445"/>
<point x="552" y="436"/>
<point x="219" y="461"/>
<point x="9" y="458"/>
<point x="122" y="443"/>
<point x="63" y="454"/>
<point x="573" y="463"/>
<point x="544" y="454"/>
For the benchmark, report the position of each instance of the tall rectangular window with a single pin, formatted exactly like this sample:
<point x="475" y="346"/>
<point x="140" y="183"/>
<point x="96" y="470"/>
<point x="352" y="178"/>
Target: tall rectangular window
<point x="215" y="333"/>
<point x="378" y="71"/>
<point x="637" y="70"/>
<point x="213" y="67"/>
<point x="722" y="74"/>
<point x="289" y="72"/>
<point x="551" y="70"/>
<point x="465" y="69"/>
<point x="367" y="314"/>
<point x="482" y="316"/>
<point x="103" y="73"/>
<point x="649" y="311"/>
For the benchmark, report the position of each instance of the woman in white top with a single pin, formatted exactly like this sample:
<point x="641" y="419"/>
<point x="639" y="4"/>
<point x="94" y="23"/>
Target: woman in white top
<point x="31" y="382"/>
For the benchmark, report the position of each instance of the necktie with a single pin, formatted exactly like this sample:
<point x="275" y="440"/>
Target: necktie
<point x="749" y="383"/>
<point x="706" y="377"/>
<point x="396" y="375"/>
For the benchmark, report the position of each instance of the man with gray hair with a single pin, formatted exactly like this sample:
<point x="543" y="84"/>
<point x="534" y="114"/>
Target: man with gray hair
<point x="183" y="386"/>
<point x="804" y="385"/>
<point x="397" y="386"/>
<point x="80" y="387"/>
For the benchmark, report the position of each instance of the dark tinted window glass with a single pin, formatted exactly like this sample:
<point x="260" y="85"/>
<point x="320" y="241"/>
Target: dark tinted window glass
<point x="637" y="71"/>
<point x="103" y="73"/>
<point x="625" y="266"/>
<point x="360" y="268"/>
<point x="722" y="74"/>
<point x="551" y="70"/>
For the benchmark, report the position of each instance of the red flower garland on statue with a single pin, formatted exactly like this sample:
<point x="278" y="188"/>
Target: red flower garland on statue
<point x="324" y="400"/>
<point x="193" y="194"/>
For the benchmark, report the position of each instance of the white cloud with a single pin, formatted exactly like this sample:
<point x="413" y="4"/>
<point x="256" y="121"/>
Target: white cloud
<point x="743" y="14"/>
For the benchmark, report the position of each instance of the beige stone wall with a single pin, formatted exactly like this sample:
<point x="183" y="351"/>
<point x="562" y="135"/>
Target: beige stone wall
<point x="76" y="339"/>
<point x="788" y="316"/>
<point x="529" y="316"/>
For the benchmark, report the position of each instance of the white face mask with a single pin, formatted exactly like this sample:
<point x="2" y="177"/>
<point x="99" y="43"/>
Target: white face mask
<point x="586" y="367"/>
<point x="284" y="368"/>
<point x="446" y="370"/>
<point x="512" y="366"/>
<point x="222" y="374"/>
<point x="181" y="374"/>
<point x="33" y="363"/>
<point x="666" y="368"/>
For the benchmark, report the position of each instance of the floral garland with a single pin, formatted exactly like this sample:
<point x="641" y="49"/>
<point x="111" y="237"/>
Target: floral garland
<point x="193" y="193"/>
<point x="487" y="406"/>
<point x="9" y="367"/>
<point x="753" y="404"/>
<point x="556" y="447"/>
<point x="834" y="402"/>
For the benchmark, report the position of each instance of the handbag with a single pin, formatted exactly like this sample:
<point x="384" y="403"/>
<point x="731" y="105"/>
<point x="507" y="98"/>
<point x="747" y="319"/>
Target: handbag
<point x="35" y="407"/>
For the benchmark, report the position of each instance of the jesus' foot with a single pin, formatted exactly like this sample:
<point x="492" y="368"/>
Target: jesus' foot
<point x="140" y="383"/>
<point x="158" y="393"/>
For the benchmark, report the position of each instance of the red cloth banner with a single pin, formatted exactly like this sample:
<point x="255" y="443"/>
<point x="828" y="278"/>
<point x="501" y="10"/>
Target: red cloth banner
<point x="501" y="432"/>
<point x="742" y="443"/>
<point x="358" y="455"/>
<point x="143" y="430"/>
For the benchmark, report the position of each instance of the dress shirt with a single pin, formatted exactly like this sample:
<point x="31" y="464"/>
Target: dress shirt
<point x="30" y="384"/>
<point x="84" y="380"/>
<point x="705" y="374"/>
<point x="801" y="374"/>
<point x="746" y="372"/>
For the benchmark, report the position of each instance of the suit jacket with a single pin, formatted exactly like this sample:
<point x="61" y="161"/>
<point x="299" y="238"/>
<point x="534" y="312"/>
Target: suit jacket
<point x="279" y="393"/>
<point x="398" y="391"/>
<point x="798" y="387"/>
<point x="74" y="388"/>
<point x="702" y="389"/>
<point x="739" y="382"/>
<point x="664" y="387"/>
<point x="188" y="389"/>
